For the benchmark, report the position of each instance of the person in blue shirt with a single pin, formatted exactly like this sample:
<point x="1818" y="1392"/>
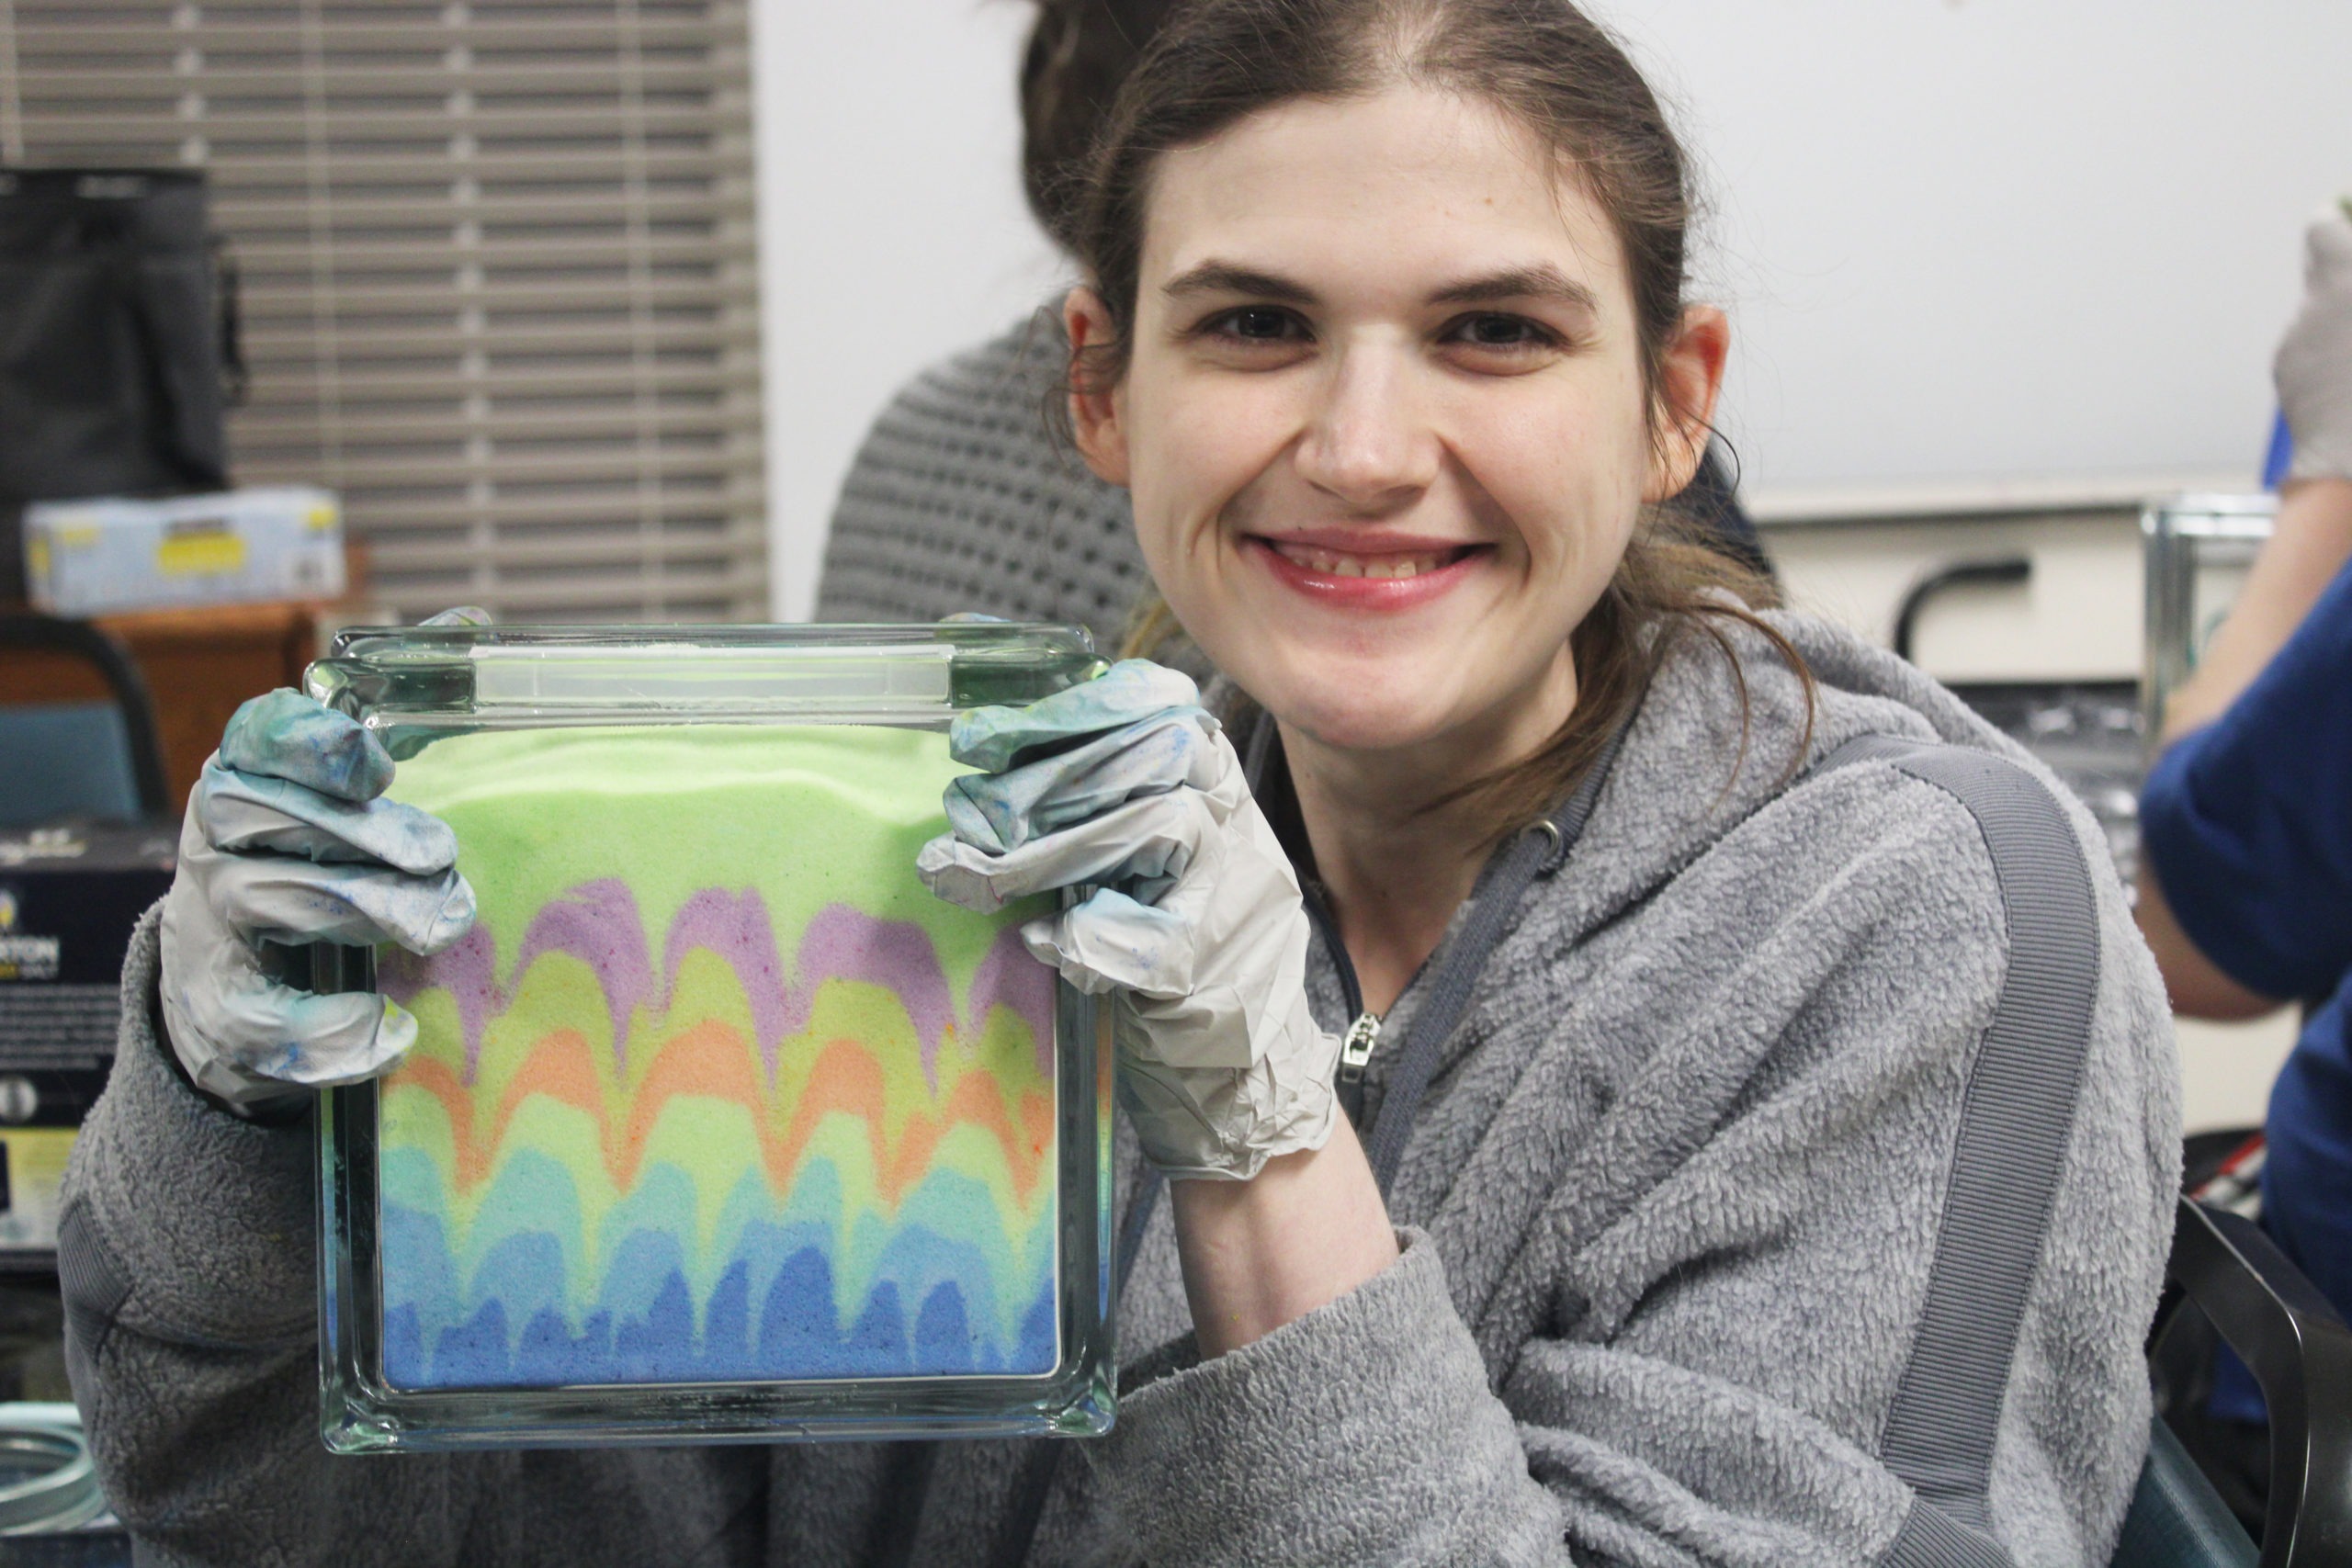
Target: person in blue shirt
<point x="2246" y="891"/>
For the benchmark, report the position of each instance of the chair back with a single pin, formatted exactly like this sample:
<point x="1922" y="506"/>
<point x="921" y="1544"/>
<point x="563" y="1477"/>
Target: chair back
<point x="86" y="759"/>
<point x="2177" y="1519"/>
<point x="2301" y="1353"/>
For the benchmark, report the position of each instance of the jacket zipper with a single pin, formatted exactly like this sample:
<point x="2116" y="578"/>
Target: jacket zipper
<point x="1355" y="1050"/>
<point x="1363" y="1034"/>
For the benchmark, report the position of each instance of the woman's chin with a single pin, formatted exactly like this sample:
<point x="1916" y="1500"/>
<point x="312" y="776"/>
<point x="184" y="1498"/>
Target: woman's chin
<point x="1409" y="696"/>
<point x="1366" y="720"/>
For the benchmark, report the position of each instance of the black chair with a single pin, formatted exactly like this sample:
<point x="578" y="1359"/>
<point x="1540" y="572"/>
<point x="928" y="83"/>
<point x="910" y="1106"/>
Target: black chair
<point x="64" y="759"/>
<point x="2300" y="1353"/>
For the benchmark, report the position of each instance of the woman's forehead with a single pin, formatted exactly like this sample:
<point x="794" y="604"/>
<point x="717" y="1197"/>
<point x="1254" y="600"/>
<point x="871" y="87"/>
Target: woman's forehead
<point x="1411" y="185"/>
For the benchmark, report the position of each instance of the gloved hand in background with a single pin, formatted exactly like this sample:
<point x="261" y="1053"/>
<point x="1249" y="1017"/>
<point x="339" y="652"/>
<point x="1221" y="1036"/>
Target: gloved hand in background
<point x="287" y="840"/>
<point x="2313" y="367"/>
<point x="1195" y="930"/>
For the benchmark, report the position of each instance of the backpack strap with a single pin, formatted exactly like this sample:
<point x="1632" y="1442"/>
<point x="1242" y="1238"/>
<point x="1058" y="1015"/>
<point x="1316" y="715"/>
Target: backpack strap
<point x="2014" y="1124"/>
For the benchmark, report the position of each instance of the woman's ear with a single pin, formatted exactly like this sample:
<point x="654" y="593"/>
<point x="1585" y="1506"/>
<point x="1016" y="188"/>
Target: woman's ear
<point x="1093" y="408"/>
<point x="1690" y="376"/>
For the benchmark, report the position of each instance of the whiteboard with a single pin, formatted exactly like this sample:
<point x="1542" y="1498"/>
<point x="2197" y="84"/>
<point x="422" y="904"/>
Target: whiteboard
<point x="1965" y="243"/>
<point x="1980" y="240"/>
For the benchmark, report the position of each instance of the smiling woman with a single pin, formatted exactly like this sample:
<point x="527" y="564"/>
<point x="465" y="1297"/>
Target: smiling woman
<point x="1385" y="331"/>
<point x="1635" y="1075"/>
<point x="1451" y="420"/>
<point x="1522" y="338"/>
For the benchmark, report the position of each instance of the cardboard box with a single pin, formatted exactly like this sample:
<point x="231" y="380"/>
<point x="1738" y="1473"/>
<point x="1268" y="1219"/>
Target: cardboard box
<point x="93" y="558"/>
<point x="69" y="900"/>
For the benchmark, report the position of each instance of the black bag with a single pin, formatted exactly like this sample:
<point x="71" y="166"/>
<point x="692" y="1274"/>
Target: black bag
<point x="118" y="341"/>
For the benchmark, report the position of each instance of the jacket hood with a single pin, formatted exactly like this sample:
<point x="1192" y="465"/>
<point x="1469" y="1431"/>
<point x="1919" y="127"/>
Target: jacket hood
<point x="1711" y="745"/>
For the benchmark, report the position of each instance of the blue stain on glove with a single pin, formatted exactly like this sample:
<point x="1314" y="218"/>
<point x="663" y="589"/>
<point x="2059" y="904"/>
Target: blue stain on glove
<point x="288" y="840"/>
<point x="993" y="739"/>
<point x="285" y="735"/>
<point x="1136" y="730"/>
<point x="1193" y="927"/>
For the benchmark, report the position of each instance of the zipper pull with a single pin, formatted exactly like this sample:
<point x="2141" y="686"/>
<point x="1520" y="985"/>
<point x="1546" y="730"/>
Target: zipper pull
<point x="1355" y="1049"/>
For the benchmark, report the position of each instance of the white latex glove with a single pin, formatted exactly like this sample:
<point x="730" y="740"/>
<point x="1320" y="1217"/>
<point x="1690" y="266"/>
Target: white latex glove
<point x="1195" y="931"/>
<point x="286" y="841"/>
<point x="2313" y="367"/>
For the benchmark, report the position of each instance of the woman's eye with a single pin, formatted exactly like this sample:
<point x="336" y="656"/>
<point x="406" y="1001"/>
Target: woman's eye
<point x="1502" y="331"/>
<point x="1257" y="323"/>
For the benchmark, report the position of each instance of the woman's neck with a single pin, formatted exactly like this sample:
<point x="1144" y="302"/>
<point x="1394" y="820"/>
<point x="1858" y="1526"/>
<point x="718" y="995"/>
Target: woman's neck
<point x="1394" y="864"/>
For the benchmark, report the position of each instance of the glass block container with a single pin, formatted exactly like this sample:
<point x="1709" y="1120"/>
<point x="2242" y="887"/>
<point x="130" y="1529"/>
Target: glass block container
<point x="719" y="1126"/>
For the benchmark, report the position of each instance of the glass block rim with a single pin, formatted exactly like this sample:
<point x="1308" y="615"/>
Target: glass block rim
<point x="409" y="643"/>
<point x="419" y="681"/>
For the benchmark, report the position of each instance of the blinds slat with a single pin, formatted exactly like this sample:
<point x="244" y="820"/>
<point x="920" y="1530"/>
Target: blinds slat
<point x="358" y="171"/>
<point x="264" y="258"/>
<point x="656" y="596"/>
<point x="420" y="341"/>
<point x="584" y="469"/>
<point x="382" y="517"/>
<point x="375" y="299"/>
<point x="298" y="386"/>
<point x="655" y="545"/>
<point x="159" y="114"/>
<point x="384" y="422"/>
<point x="386" y="32"/>
<point x="290" y="214"/>
<point x="379" y="78"/>
<point x="377" y="434"/>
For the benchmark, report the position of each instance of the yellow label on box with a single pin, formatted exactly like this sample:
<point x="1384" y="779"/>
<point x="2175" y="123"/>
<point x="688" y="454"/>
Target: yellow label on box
<point x="200" y="553"/>
<point x="35" y="1167"/>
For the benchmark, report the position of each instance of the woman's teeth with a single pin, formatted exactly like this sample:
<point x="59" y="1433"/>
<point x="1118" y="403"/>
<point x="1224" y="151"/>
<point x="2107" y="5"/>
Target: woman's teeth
<point x="1339" y="563"/>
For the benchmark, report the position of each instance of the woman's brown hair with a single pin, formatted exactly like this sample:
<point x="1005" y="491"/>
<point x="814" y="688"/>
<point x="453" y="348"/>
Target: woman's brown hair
<point x="1079" y="54"/>
<point x="1552" y="69"/>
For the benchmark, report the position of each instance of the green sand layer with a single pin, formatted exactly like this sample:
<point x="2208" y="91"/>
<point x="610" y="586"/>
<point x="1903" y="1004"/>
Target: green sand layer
<point x="808" y="816"/>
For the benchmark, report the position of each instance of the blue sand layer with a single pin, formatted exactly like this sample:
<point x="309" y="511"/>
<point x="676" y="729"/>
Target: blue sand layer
<point x="782" y="1293"/>
<point x="796" y="1333"/>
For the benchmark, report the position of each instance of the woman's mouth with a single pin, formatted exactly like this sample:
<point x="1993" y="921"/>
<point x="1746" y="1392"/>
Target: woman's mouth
<point x="1398" y="574"/>
<point x="1340" y="563"/>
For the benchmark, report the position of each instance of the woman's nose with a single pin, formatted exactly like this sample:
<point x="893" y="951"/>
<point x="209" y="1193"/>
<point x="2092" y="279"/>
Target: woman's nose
<point x="1369" y="444"/>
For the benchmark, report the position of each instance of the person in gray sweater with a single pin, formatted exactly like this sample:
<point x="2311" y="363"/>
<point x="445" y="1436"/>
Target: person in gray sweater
<point x="1679" y="1089"/>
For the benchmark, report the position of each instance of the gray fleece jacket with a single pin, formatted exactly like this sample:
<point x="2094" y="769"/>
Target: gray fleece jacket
<point x="1671" y="1210"/>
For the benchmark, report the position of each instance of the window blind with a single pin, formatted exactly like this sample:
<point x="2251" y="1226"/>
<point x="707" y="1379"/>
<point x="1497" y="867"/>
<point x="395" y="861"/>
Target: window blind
<point x="498" y="271"/>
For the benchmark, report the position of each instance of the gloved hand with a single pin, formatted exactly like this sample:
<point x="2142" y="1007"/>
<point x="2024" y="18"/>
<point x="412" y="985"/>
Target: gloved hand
<point x="286" y="841"/>
<point x="2313" y="367"/>
<point x="1195" y="930"/>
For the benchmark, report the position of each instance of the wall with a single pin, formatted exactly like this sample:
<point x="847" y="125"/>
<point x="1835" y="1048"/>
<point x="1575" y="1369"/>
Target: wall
<point x="1964" y="240"/>
<point x="891" y="225"/>
<point x="1981" y="238"/>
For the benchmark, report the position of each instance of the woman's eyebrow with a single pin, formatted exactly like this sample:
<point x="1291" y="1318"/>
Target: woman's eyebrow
<point x="1224" y="277"/>
<point x="1541" y="282"/>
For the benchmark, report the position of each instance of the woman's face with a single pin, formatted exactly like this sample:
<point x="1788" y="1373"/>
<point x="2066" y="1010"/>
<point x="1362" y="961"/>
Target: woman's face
<point x="1383" y="419"/>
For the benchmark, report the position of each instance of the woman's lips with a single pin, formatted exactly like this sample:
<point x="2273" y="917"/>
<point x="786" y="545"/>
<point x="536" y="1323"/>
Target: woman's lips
<point x="1391" y="579"/>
